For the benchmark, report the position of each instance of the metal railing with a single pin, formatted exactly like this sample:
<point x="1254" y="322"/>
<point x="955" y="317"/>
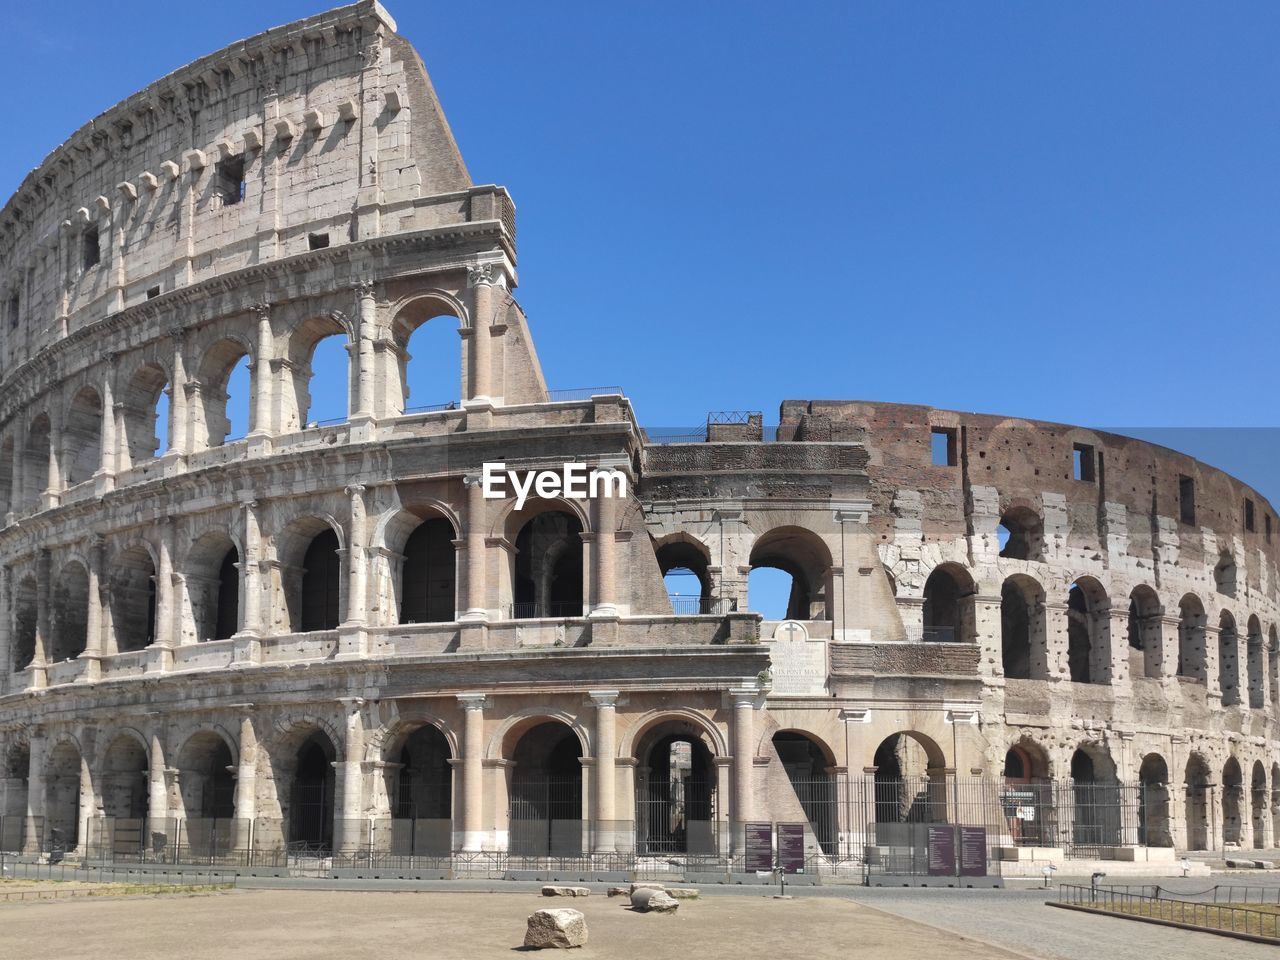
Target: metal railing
<point x="1211" y="917"/>
<point x="433" y="407"/>
<point x="555" y="609"/>
<point x="732" y="416"/>
<point x="688" y="604"/>
<point x="582" y="393"/>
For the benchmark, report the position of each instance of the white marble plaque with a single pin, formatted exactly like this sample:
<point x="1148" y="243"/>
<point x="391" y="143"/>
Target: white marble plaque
<point x="799" y="665"/>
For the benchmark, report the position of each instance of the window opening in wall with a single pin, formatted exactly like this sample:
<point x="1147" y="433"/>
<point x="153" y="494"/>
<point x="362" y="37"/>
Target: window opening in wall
<point x="13" y="309"/>
<point x="90" y="250"/>
<point x="231" y="179"/>
<point x="1083" y="462"/>
<point x="1248" y="515"/>
<point x="943" y="447"/>
<point x="153" y="292"/>
<point x="317" y="241"/>
<point x="1187" y="500"/>
<point x="1266" y="522"/>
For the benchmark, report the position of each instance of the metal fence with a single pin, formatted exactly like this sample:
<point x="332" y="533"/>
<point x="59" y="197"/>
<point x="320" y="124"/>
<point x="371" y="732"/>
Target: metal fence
<point x="1227" y="917"/>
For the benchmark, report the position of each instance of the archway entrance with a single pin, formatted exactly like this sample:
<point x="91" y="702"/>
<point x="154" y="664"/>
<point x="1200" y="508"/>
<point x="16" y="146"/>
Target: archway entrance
<point x="311" y="796"/>
<point x="546" y="792"/>
<point x="1027" y="801"/>
<point x="910" y="781"/>
<point x="1258" y="804"/>
<point x="13" y="798"/>
<point x="675" y="793"/>
<point x="207" y="790"/>
<point x="124" y="799"/>
<point x="548" y="567"/>
<point x="1154" y="828"/>
<point x="1197" y="778"/>
<point x="62" y="799"/>
<point x="422" y="798"/>
<point x="1095" y="802"/>
<point x="809" y="770"/>
<point x="1232" y="803"/>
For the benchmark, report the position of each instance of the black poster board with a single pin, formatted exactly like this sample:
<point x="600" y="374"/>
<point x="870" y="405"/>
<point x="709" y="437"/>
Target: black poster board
<point x="973" y="851"/>
<point x="942" y="852"/>
<point x="759" y="846"/>
<point x="791" y="847"/>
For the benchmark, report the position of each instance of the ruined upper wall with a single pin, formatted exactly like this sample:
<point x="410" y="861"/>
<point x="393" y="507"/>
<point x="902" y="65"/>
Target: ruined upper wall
<point x="321" y="132"/>
<point x="1030" y="463"/>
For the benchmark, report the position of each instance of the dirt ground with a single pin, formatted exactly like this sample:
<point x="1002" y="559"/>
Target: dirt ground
<point x="316" y="925"/>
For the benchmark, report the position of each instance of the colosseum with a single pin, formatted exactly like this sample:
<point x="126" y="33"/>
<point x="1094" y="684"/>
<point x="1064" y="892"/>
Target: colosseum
<point x="326" y="642"/>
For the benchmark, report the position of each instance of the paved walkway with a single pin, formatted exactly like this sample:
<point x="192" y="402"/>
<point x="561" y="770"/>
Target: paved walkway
<point x="1019" y="920"/>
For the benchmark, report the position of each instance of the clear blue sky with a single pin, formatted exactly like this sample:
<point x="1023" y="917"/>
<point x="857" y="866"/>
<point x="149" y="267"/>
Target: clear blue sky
<point x="1065" y="211"/>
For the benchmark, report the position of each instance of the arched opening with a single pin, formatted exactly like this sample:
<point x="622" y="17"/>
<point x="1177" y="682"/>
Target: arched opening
<point x="1257" y="666"/>
<point x="1232" y="803"/>
<point x="1224" y="575"/>
<point x="1155" y="827"/>
<point x="25" y="614"/>
<point x="1258" y="804"/>
<point x="910" y="782"/>
<point x="318" y="607"/>
<point x="224" y="394"/>
<point x="546" y="792"/>
<point x="14" y="785"/>
<point x="1228" y="659"/>
<point x="70" y="613"/>
<point x="146" y="414"/>
<point x="949" y="614"/>
<point x="35" y="462"/>
<point x="82" y="440"/>
<point x="422" y="795"/>
<point x="429" y="578"/>
<point x="1196" y="782"/>
<point x="62" y="798"/>
<point x="1023" y="641"/>
<point x="809" y="770"/>
<point x="801" y="555"/>
<point x="213" y="587"/>
<point x="1088" y="643"/>
<point x="675" y="792"/>
<point x="311" y="792"/>
<point x="1021" y="534"/>
<point x="1273" y="672"/>
<point x="7" y="501"/>
<point x="206" y="788"/>
<point x="684" y="566"/>
<point x="430" y="363"/>
<point x="1027" y="800"/>
<point x="124" y="784"/>
<point x="1275" y="803"/>
<point x="1096" y="802"/>
<point x="548" y="567"/>
<point x="133" y="599"/>
<point x="1192" y="662"/>
<point x="1144" y="632"/>
<point x="321" y="375"/>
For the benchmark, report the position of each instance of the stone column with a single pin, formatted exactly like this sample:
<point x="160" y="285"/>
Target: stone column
<point x="157" y="788"/>
<point x="86" y="805"/>
<point x="16" y="486"/>
<point x="246" y="802"/>
<point x="606" y="554"/>
<point x="481" y="279"/>
<point x="107" y="448"/>
<point x="179" y="441"/>
<point x="263" y="384"/>
<point x="250" y="572"/>
<point x="53" y="492"/>
<point x="6" y="628"/>
<point x="743" y="806"/>
<point x="366" y="326"/>
<point x="606" y="825"/>
<point x="32" y="842"/>
<point x="93" y="627"/>
<point x="165" y="606"/>
<point x="356" y="557"/>
<point x="43" y="626"/>
<point x="477" y="604"/>
<point x="348" y="833"/>
<point x="473" y="832"/>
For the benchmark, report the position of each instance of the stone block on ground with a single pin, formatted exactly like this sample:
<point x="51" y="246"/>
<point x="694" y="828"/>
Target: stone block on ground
<point x="619" y="892"/>
<point x="551" y="890"/>
<point x="560" y="928"/>
<point x="646" y="885"/>
<point x="1265" y="864"/>
<point x="683" y="893"/>
<point x="649" y="900"/>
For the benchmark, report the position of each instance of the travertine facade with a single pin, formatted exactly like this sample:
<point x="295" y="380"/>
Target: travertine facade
<point x="318" y="629"/>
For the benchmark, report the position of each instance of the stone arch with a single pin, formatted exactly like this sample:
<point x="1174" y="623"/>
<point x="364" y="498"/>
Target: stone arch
<point x="1088" y="631"/>
<point x="206" y="787"/>
<point x="145" y="416"/>
<point x="910" y="779"/>
<point x="124" y="776"/>
<point x="502" y="743"/>
<point x="133" y="596"/>
<point x="426" y="588"/>
<point x="70" y="612"/>
<point x="1197" y="780"/>
<point x="545" y="802"/>
<point x="212" y="580"/>
<point x="35" y="460"/>
<point x="691" y="722"/>
<point x="1228" y="659"/>
<point x="683" y="552"/>
<point x="1096" y="806"/>
<point x="300" y="348"/>
<point x="311" y="595"/>
<point x="1023" y="629"/>
<point x="302" y="761"/>
<point x="547" y="568"/>
<point x="1275" y="802"/>
<point x="808" y="763"/>
<point x="949" y="611"/>
<point x="82" y="437"/>
<point x="1021" y="533"/>
<point x="419" y="784"/>
<point x="1155" y="824"/>
<point x="15" y="772"/>
<point x="1256" y="664"/>
<point x="1192" y="659"/>
<point x="805" y="557"/>
<point x="8" y="502"/>
<point x="1273" y="672"/>
<point x="427" y="312"/>
<point x="1258" y="804"/>
<point x="210" y="415"/>
<point x="1145" y="633"/>
<point x="1233" y="803"/>
<point x="676" y="780"/>
<point x="25" y="621"/>
<point x="63" y="787"/>
<point x="1224" y="574"/>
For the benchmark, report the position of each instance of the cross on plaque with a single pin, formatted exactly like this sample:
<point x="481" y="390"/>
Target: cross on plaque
<point x="791" y="628"/>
